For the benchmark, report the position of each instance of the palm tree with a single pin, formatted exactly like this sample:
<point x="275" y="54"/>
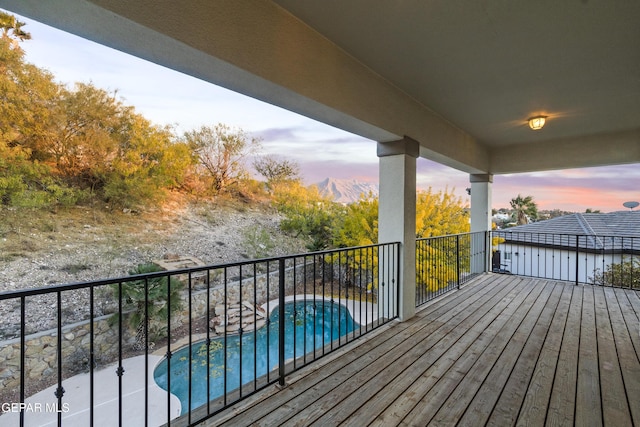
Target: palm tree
<point x="524" y="209"/>
<point x="151" y="298"/>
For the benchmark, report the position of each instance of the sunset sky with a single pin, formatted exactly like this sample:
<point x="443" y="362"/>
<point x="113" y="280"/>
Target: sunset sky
<point x="168" y="97"/>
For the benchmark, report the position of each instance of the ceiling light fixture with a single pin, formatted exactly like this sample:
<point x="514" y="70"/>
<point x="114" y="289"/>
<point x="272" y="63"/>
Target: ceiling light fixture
<point x="537" y="122"/>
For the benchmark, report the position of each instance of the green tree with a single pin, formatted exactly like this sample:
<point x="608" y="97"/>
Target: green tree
<point x="276" y="170"/>
<point x="358" y="226"/>
<point x="439" y="214"/>
<point x="89" y="124"/>
<point x="307" y="213"/>
<point x="222" y="153"/>
<point x="524" y="209"/>
<point x="28" y="97"/>
<point x="58" y="145"/>
<point x="136" y="173"/>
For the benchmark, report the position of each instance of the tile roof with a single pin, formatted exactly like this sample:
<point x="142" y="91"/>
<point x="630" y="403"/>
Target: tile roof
<point x="594" y="231"/>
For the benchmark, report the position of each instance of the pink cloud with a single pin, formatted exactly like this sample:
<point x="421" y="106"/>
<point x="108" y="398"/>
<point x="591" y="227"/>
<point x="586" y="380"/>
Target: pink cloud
<point x="604" y="188"/>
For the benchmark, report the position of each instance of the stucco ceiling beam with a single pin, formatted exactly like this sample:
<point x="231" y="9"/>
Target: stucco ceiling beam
<point x="615" y="148"/>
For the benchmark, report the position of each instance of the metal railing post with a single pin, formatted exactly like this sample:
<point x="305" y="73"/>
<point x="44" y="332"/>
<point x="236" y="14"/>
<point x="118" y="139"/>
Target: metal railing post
<point x="487" y="250"/>
<point x="59" y="390"/>
<point x="397" y="278"/>
<point x="23" y="356"/>
<point x="458" y="259"/>
<point x="577" y="256"/>
<point x="281" y="367"/>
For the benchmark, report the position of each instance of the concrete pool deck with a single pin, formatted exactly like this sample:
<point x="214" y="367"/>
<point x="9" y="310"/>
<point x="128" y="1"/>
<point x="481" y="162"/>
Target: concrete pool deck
<point x="41" y="409"/>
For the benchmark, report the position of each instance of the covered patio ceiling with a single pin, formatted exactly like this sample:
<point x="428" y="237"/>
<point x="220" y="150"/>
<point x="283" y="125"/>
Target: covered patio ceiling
<point x="460" y="77"/>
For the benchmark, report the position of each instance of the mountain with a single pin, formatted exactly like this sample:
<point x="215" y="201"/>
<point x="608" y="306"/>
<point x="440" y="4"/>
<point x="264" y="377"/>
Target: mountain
<point x="346" y="190"/>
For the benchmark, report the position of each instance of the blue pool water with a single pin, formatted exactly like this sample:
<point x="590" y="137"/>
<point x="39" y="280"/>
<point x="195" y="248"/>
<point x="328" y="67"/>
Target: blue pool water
<point x="315" y="323"/>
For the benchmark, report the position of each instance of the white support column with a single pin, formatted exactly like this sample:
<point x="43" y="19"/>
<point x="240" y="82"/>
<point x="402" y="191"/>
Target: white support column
<point x="397" y="213"/>
<point x="481" y="215"/>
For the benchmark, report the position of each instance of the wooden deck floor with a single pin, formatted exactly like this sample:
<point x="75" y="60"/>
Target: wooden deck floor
<point x="504" y="350"/>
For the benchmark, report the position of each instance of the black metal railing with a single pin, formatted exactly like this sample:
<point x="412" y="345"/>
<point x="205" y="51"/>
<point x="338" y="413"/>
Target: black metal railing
<point x="444" y="263"/>
<point x="581" y="259"/>
<point x="182" y="345"/>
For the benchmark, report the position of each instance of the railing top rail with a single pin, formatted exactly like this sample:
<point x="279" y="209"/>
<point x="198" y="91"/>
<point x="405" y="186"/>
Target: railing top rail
<point x="610" y="236"/>
<point x="124" y="279"/>
<point x="583" y="242"/>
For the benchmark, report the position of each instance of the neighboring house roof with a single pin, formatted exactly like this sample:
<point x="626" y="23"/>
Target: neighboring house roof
<point x="587" y="231"/>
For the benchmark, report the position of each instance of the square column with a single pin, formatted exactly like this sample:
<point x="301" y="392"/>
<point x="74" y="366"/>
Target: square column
<point x="397" y="214"/>
<point x="481" y="202"/>
<point x="481" y="218"/>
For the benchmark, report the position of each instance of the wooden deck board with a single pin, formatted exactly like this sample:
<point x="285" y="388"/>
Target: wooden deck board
<point x="631" y="312"/>
<point x="488" y="344"/>
<point x="533" y="410"/>
<point x="508" y="405"/>
<point x="492" y="369"/>
<point x="629" y="363"/>
<point x="615" y="409"/>
<point x="328" y="411"/>
<point x="503" y="350"/>
<point x="588" y="401"/>
<point x="563" y="393"/>
<point x="427" y="370"/>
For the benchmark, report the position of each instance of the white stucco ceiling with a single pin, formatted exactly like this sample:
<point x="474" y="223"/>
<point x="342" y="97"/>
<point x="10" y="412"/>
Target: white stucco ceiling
<point x="486" y="66"/>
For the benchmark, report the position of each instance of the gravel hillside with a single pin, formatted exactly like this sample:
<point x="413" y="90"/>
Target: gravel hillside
<point x="42" y="249"/>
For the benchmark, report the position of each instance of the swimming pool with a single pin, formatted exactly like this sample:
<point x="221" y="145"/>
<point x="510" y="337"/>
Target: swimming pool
<point x="309" y="324"/>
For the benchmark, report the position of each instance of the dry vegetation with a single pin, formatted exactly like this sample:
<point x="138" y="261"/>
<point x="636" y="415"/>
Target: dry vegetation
<point x="45" y="247"/>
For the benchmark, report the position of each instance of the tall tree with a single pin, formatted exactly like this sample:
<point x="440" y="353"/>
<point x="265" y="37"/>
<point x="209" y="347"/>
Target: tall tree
<point x="27" y="103"/>
<point x="222" y="153"/>
<point x="358" y="226"/>
<point x="524" y="209"/>
<point x="60" y="145"/>
<point x="277" y="171"/>
<point x="90" y="125"/>
<point x="439" y="214"/>
<point x="28" y="98"/>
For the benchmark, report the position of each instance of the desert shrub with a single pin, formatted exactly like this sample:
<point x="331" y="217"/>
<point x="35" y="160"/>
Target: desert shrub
<point x="624" y="274"/>
<point x="307" y="213"/>
<point x="258" y="242"/>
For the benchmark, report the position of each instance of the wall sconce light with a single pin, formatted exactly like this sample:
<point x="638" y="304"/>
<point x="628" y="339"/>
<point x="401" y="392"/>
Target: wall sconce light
<point x="537" y="122"/>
